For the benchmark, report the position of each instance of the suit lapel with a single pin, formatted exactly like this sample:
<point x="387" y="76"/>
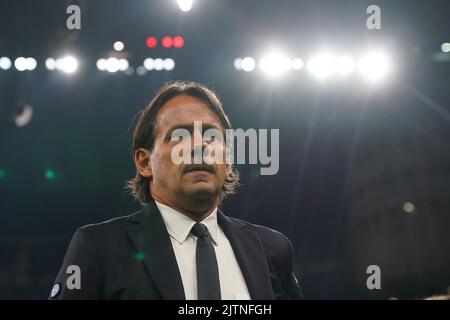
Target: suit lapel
<point x="150" y="237"/>
<point x="250" y="255"/>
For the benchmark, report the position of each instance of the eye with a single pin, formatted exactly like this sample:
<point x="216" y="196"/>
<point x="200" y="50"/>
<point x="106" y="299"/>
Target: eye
<point x="175" y="138"/>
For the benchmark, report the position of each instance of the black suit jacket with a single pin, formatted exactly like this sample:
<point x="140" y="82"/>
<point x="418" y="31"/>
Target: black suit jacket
<point x="132" y="258"/>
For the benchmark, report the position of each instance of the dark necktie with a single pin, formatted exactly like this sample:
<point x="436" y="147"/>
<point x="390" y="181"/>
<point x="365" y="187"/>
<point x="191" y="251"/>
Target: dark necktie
<point x="208" y="284"/>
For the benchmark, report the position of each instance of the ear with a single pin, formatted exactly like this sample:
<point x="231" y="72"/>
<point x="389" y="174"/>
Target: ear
<point x="142" y="161"/>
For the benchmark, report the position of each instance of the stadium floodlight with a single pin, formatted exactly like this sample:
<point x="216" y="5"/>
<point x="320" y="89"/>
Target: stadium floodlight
<point x="67" y="64"/>
<point x="5" y="63"/>
<point x="118" y="46"/>
<point x="185" y="5"/>
<point x="248" y="64"/>
<point x="50" y="63"/>
<point x="21" y="64"/>
<point x="275" y="64"/>
<point x="345" y="66"/>
<point x="374" y="66"/>
<point x="112" y="65"/>
<point x="322" y="66"/>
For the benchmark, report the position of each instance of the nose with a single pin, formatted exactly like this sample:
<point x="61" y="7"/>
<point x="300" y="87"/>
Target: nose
<point x="198" y="147"/>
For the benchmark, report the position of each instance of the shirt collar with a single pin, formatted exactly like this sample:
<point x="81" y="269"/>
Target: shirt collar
<point x="179" y="225"/>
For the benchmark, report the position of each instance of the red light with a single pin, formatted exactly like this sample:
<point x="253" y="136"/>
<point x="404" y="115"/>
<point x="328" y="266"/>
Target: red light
<point x="167" y="42"/>
<point x="151" y="42"/>
<point x="178" y="42"/>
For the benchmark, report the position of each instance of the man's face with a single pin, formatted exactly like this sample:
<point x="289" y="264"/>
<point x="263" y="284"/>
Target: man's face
<point x="171" y="181"/>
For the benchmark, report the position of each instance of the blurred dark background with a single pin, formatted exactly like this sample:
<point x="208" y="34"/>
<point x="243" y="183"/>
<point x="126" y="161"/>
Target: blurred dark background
<point x="364" y="169"/>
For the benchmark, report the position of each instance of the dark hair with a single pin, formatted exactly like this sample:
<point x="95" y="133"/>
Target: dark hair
<point x="144" y="132"/>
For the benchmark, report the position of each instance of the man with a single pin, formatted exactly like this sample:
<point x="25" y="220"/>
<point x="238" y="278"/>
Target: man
<point x="179" y="245"/>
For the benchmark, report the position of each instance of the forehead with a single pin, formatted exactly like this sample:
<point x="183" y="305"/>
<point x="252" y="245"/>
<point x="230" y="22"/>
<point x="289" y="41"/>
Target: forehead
<point x="184" y="110"/>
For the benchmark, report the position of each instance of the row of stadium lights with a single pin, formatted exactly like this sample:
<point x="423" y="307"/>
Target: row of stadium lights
<point x="69" y="64"/>
<point x="113" y="65"/>
<point x="373" y="66"/>
<point x="66" y="64"/>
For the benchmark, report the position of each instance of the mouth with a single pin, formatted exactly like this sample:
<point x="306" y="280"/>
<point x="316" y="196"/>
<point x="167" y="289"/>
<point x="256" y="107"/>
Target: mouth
<point x="198" y="168"/>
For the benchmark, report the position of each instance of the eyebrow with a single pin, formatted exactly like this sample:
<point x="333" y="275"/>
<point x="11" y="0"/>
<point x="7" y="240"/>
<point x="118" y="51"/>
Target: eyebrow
<point x="190" y="127"/>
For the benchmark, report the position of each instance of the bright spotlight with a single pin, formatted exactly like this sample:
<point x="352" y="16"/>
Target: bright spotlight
<point x="248" y="64"/>
<point x="112" y="65"/>
<point x="345" y="66"/>
<point x="297" y="64"/>
<point x="5" y="63"/>
<point x="322" y="66"/>
<point x="50" y="63"/>
<point x="374" y="66"/>
<point x="31" y="64"/>
<point x="185" y="5"/>
<point x="21" y="64"/>
<point x="445" y="47"/>
<point x="123" y="64"/>
<point x="149" y="64"/>
<point x="238" y="64"/>
<point x="159" y="64"/>
<point x="101" y="64"/>
<point x="67" y="64"/>
<point x="275" y="64"/>
<point x="118" y="46"/>
<point x="169" y="64"/>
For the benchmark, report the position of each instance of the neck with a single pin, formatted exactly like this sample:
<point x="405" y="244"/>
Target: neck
<point x="197" y="210"/>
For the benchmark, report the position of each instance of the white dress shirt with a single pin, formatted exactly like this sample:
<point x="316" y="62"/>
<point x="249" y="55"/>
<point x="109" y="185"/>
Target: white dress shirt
<point x="232" y="283"/>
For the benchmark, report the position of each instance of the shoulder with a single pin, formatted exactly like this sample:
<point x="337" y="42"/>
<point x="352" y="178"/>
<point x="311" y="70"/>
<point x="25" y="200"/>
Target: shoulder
<point x="111" y="224"/>
<point x="109" y="229"/>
